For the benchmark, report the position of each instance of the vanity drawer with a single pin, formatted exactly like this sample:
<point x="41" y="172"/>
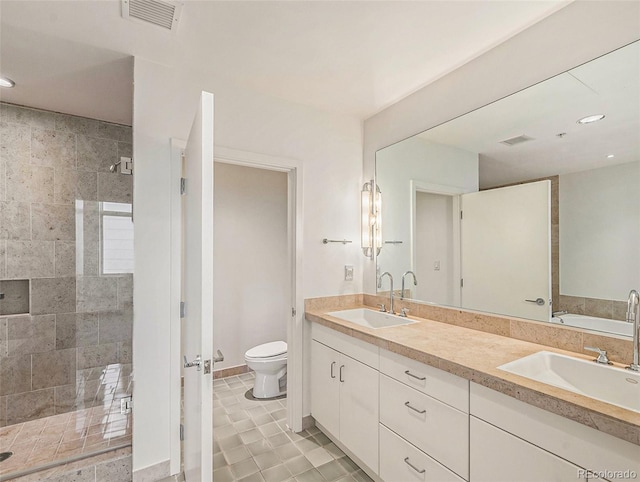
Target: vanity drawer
<point x="399" y="460"/>
<point x="436" y="383"/>
<point x="437" y="429"/>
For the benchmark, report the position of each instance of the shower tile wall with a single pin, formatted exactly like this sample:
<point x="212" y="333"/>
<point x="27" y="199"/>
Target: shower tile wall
<point x="80" y="322"/>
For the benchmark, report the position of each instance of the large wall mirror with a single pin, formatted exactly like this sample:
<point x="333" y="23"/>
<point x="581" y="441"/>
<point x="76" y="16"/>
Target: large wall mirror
<point x="526" y="207"/>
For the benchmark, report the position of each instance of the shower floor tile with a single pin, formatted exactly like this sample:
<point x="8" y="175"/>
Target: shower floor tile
<point x="251" y="441"/>
<point x="61" y="437"/>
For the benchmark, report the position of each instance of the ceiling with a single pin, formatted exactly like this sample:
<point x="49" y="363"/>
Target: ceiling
<point x="608" y="85"/>
<point x="349" y="57"/>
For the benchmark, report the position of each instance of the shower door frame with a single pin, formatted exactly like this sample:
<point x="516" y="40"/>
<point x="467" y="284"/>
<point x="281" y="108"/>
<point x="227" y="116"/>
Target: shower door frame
<point x="296" y="322"/>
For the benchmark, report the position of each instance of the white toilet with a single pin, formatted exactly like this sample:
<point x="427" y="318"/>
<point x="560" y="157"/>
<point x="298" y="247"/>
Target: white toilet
<point x="269" y="361"/>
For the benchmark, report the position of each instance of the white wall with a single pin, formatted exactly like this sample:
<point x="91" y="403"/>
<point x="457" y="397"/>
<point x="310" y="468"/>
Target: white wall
<point x="600" y="232"/>
<point x="328" y="145"/>
<point x="554" y="45"/>
<point x="396" y="166"/>
<point x="251" y="265"/>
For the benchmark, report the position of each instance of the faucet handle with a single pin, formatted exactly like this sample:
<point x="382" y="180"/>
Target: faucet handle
<point x="602" y="355"/>
<point x="404" y="312"/>
<point x="382" y="307"/>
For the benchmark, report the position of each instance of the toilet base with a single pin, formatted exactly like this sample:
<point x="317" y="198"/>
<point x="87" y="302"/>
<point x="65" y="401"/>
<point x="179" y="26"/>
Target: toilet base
<point x="268" y="385"/>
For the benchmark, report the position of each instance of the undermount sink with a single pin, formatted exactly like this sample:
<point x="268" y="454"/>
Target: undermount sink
<point x="370" y="318"/>
<point x="606" y="383"/>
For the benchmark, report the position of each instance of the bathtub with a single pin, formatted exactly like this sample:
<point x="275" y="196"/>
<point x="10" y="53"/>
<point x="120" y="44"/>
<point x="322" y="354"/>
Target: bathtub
<point x="596" y="324"/>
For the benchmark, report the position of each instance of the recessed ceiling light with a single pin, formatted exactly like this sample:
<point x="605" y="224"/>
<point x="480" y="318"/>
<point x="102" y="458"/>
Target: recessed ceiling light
<point x="610" y="156"/>
<point x="591" y="118"/>
<point x="6" y="82"/>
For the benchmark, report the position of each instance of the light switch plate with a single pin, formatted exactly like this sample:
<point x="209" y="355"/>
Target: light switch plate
<point x="348" y="272"/>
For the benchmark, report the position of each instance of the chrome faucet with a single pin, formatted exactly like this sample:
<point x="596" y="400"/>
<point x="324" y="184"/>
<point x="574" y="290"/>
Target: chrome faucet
<point x="391" y="289"/>
<point x="632" y="317"/>
<point x="415" y="282"/>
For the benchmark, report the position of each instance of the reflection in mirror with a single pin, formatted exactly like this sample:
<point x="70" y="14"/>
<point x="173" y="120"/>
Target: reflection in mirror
<point x="461" y="211"/>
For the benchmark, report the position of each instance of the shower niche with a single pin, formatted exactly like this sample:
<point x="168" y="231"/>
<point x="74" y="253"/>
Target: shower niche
<point x="14" y="297"/>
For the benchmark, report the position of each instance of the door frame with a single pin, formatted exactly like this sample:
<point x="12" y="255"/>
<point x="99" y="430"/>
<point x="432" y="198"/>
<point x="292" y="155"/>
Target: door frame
<point x="295" y="325"/>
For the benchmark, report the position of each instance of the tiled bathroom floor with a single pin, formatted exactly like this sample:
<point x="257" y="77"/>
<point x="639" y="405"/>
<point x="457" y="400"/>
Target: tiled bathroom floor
<point x="252" y="444"/>
<point x="61" y="437"/>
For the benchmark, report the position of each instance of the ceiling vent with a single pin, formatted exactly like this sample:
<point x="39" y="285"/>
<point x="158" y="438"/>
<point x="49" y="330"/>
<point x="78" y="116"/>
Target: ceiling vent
<point x="516" y="140"/>
<point x="163" y="13"/>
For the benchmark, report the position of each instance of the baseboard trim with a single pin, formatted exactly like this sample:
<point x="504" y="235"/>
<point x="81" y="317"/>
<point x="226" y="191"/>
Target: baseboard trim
<point x="231" y="371"/>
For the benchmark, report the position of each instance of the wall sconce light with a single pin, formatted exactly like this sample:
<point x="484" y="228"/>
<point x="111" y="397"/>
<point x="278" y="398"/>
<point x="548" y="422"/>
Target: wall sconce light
<point x="371" y="205"/>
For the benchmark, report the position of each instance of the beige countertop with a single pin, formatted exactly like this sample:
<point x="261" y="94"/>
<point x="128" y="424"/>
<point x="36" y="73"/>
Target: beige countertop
<point x="475" y="355"/>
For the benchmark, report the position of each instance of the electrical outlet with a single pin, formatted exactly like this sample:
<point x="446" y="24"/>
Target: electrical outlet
<point x="348" y="272"/>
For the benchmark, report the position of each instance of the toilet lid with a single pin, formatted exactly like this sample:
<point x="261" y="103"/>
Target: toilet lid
<point x="267" y="350"/>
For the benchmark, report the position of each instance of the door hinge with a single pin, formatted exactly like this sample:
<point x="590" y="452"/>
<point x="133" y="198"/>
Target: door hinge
<point x="181" y="433"/>
<point x="182" y="309"/>
<point x="126" y="405"/>
<point x="183" y="185"/>
<point x="293" y="312"/>
<point x="126" y="165"/>
<point x="460" y="214"/>
<point x="461" y="283"/>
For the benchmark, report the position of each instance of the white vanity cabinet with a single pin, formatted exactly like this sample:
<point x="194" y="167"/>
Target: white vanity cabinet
<point x="498" y="456"/>
<point x="344" y="392"/>
<point x="512" y="440"/>
<point x="426" y="411"/>
<point x="407" y="421"/>
<point x="325" y="387"/>
<point x="401" y="461"/>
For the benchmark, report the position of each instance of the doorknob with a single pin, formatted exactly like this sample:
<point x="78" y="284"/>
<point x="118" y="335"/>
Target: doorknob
<point x="537" y="301"/>
<point x="195" y="363"/>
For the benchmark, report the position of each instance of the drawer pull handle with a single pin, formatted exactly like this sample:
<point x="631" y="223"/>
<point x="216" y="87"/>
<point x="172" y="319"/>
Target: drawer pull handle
<point x="407" y="372"/>
<point x="341" y="379"/>
<point x="406" y="461"/>
<point x="332" y="365"/>
<point x="408" y="404"/>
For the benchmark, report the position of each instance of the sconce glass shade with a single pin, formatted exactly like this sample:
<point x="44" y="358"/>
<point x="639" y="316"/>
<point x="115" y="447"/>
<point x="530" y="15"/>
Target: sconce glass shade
<point x="371" y="219"/>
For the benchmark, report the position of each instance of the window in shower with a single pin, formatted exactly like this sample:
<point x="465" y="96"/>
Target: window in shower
<point x="116" y="238"/>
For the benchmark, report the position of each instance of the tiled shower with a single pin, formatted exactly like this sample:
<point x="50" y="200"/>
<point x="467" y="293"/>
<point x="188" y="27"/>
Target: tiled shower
<point x="66" y="280"/>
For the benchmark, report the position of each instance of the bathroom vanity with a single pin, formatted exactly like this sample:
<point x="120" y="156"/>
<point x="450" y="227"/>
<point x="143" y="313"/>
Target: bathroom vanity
<point x="426" y="401"/>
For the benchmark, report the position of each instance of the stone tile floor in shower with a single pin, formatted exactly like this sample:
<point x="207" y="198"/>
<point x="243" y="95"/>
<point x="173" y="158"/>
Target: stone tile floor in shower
<point x="60" y="437"/>
<point x="252" y="443"/>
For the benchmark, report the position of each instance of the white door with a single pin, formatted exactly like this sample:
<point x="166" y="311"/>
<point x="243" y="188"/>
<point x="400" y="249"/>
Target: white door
<point x="506" y="251"/>
<point x="198" y="295"/>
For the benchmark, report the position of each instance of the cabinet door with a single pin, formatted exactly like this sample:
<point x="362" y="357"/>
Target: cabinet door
<point x="497" y="456"/>
<point x="359" y="410"/>
<point x="325" y="387"/>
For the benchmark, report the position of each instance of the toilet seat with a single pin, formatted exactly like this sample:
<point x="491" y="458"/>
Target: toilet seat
<point x="267" y="350"/>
